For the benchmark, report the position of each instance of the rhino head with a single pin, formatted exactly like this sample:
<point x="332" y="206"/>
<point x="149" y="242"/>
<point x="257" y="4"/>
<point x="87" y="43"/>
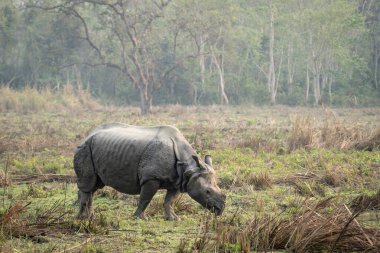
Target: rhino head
<point x="202" y="186"/>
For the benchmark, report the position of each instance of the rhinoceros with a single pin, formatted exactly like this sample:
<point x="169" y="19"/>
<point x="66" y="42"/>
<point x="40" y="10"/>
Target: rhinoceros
<point x="142" y="160"/>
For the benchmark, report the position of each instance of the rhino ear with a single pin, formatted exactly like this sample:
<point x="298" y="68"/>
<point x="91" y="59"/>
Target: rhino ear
<point x="208" y="160"/>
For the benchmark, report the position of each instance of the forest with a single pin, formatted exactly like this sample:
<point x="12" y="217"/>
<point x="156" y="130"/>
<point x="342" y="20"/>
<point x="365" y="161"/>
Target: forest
<point x="145" y="53"/>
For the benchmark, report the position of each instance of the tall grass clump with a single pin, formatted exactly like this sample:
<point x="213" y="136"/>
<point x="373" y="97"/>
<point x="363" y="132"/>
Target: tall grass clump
<point x="307" y="132"/>
<point x="318" y="226"/>
<point x="301" y="134"/>
<point x="31" y="99"/>
<point x="369" y="144"/>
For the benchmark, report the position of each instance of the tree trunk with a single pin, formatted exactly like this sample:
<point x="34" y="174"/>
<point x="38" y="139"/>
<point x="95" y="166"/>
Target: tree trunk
<point x="202" y="60"/>
<point x="222" y="93"/>
<point x="377" y="58"/>
<point x="316" y="85"/>
<point x="271" y="74"/>
<point x="219" y="64"/>
<point x="291" y="68"/>
<point x="324" y="82"/>
<point x="307" y="83"/>
<point x="316" y="80"/>
<point x="330" y="91"/>
<point x="145" y="100"/>
<point x="316" y="72"/>
<point x="194" y="94"/>
<point x="277" y="77"/>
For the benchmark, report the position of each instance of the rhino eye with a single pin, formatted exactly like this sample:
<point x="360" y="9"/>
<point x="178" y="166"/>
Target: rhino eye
<point x="208" y="191"/>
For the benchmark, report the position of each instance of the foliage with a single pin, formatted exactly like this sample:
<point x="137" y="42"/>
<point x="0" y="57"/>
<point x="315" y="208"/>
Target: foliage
<point x="196" y="52"/>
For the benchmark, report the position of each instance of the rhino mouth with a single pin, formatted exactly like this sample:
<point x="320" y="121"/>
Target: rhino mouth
<point x="217" y="209"/>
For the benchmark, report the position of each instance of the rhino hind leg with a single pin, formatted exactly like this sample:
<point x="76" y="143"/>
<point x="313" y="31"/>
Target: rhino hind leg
<point x="87" y="180"/>
<point x="84" y="168"/>
<point x="171" y="195"/>
<point x="147" y="192"/>
<point x="85" y="200"/>
<point x="85" y="205"/>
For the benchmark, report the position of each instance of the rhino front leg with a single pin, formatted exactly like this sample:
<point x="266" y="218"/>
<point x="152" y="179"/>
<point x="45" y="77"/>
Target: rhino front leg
<point x="147" y="192"/>
<point x="171" y="195"/>
<point x="85" y="205"/>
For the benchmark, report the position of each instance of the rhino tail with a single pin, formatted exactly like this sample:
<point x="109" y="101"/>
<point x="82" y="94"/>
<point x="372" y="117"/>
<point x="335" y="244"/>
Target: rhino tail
<point x="84" y="167"/>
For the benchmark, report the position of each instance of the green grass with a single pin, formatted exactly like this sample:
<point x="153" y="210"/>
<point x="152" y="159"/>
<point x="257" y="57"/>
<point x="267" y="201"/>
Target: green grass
<point x="246" y="144"/>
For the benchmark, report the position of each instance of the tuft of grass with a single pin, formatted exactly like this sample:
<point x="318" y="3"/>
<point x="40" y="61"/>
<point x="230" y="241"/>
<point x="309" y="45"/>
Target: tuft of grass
<point x="110" y="193"/>
<point x="366" y="201"/>
<point x="369" y="144"/>
<point x="184" y="205"/>
<point x="260" y="181"/>
<point x="34" y="191"/>
<point x="301" y="135"/>
<point x="334" y="177"/>
<point x="309" y="189"/>
<point x="249" y="181"/>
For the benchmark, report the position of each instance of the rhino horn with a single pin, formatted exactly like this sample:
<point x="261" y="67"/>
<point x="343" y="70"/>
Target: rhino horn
<point x="196" y="158"/>
<point x="201" y="165"/>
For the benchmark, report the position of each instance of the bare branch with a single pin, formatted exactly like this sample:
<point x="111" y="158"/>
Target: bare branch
<point x="76" y="14"/>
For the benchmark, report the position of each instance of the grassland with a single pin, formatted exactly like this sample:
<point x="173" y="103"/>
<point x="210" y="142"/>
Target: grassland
<point x="275" y="165"/>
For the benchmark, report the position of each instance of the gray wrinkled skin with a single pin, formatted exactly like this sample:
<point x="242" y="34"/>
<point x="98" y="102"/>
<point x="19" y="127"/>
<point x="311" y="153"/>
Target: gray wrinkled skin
<point x="142" y="160"/>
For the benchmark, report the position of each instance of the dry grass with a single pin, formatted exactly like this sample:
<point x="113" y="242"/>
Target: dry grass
<point x="36" y="179"/>
<point x="50" y="221"/>
<point x="301" y="135"/>
<point x="318" y="226"/>
<point x="46" y="222"/>
<point x="203" y="240"/>
<point x="32" y="100"/>
<point x="182" y="205"/>
<point x="334" y="177"/>
<point x="290" y="179"/>
<point x="250" y="182"/>
<point x="309" y="189"/>
<point x="307" y="132"/>
<point x="365" y="202"/>
<point x="260" y="181"/>
<point x="305" y="184"/>
<point x="370" y="143"/>
<point x="110" y="193"/>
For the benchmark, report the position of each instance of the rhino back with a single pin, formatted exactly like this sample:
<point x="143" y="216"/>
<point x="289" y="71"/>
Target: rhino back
<point x="118" y="151"/>
<point x="116" y="155"/>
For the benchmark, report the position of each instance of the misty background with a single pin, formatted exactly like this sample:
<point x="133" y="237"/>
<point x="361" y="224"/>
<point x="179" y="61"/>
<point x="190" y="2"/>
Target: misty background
<point x="129" y="52"/>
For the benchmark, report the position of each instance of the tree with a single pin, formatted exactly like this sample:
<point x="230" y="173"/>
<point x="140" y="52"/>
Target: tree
<point x="371" y="11"/>
<point x="207" y="23"/>
<point x="127" y="36"/>
<point x="8" y="41"/>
